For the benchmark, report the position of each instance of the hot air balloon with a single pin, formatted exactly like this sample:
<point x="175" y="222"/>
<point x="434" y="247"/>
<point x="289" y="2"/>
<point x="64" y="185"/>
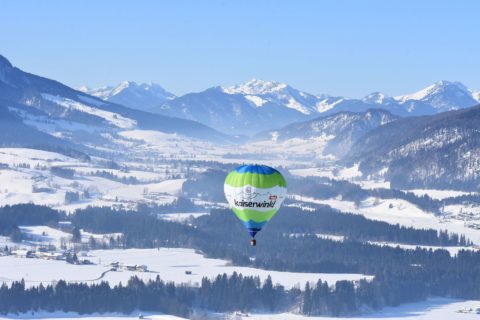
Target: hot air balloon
<point x="255" y="193"/>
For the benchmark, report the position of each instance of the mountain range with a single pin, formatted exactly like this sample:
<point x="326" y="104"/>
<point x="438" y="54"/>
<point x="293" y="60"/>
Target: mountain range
<point x="264" y="105"/>
<point x="40" y="105"/>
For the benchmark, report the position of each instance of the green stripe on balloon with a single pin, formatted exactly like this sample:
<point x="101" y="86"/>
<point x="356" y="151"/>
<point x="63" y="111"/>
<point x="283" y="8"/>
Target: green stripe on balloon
<point x="235" y="179"/>
<point x="257" y="216"/>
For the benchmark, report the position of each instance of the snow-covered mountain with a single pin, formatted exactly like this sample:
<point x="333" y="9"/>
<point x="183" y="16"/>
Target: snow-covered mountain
<point x="131" y="94"/>
<point x="54" y="114"/>
<point x="379" y="98"/>
<point x="259" y="105"/>
<point x="439" y="151"/>
<point x="442" y="96"/>
<point x="231" y="112"/>
<point x="341" y="130"/>
<point x="262" y="92"/>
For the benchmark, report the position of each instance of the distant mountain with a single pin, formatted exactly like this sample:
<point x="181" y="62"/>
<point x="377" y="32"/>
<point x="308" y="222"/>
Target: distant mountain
<point x="264" y="105"/>
<point x="259" y="106"/>
<point x="52" y="107"/>
<point x="130" y="94"/>
<point x="334" y="105"/>
<point x="341" y="129"/>
<point x="230" y="112"/>
<point x="442" y="96"/>
<point x="261" y="93"/>
<point x="379" y="99"/>
<point x="439" y="151"/>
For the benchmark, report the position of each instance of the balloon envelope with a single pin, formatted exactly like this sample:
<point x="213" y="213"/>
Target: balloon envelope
<point x="255" y="193"/>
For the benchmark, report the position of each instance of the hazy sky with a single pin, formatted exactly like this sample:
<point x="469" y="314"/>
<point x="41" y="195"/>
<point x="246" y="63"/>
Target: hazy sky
<point x="339" y="47"/>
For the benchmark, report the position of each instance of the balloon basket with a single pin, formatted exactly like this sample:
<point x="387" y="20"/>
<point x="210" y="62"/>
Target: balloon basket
<point x="253" y="242"/>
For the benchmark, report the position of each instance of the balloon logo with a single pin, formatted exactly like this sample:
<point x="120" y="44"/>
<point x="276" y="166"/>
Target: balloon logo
<point x="255" y="193"/>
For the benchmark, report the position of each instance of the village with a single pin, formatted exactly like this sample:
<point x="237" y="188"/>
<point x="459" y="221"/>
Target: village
<point x="59" y="244"/>
<point x="69" y="256"/>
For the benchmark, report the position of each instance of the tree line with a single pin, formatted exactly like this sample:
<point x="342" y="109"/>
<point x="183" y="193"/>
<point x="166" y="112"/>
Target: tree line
<point x="224" y="294"/>
<point x="289" y="243"/>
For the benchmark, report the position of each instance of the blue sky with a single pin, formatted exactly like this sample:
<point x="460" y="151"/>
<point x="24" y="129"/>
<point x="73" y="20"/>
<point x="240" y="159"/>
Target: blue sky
<point x="339" y="47"/>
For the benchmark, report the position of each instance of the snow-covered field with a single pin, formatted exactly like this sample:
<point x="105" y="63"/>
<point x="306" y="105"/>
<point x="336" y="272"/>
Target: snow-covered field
<point x="24" y="171"/>
<point x="398" y="211"/>
<point x="352" y="174"/>
<point x="452" y="250"/>
<point x="173" y="146"/>
<point x="181" y="216"/>
<point x="438" y="194"/>
<point x="170" y="264"/>
<point x="326" y="172"/>
<point x="27" y="177"/>
<point x="42" y="235"/>
<point x="71" y="315"/>
<point x="432" y="309"/>
<point x="298" y="148"/>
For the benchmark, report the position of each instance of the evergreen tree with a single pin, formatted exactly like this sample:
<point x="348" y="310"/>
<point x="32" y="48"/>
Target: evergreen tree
<point x="76" y="235"/>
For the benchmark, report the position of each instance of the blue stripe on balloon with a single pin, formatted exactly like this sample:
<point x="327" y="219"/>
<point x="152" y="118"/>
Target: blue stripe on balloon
<point x="255" y="168"/>
<point x="250" y="224"/>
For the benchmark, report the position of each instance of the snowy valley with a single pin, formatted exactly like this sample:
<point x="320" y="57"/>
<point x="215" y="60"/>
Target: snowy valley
<point x="147" y="154"/>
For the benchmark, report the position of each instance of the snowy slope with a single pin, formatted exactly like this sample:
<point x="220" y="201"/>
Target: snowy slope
<point x="432" y="309"/>
<point x="431" y="152"/>
<point x="26" y="176"/>
<point x="443" y="96"/>
<point x="398" y="211"/>
<point x="342" y="128"/>
<point x="110" y="117"/>
<point x="45" y="105"/>
<point x="59" y="315"/>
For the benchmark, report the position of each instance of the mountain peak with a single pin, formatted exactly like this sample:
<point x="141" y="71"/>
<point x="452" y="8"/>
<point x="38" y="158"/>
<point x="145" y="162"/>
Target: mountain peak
<point x="122" y="86"/>
<point x="436" y="88"/>
<point x="378" y="98"/>
<point x="455" y="85"/>
<point x="4" y="63"/>
<point x="449" y="83"/>
<point x="443" y="96"/>
<point x="84" y="89"/>
<point x="141" y="96"/>
<point x="257" y="86"/>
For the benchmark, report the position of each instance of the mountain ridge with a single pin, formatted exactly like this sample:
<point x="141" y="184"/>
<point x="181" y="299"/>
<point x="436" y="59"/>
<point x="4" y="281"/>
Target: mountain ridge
<point x="438" y="151"/>
<point x="38" y="97"/>
<point x="280" y="104"/>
